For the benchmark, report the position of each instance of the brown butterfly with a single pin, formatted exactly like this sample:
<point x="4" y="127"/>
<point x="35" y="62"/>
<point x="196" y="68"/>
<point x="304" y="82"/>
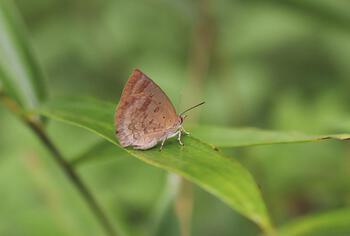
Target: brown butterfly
<point x="145" y="114"/>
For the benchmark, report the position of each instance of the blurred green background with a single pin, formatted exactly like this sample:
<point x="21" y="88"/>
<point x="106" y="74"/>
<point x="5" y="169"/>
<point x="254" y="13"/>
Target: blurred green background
<point x="281" y="65"/>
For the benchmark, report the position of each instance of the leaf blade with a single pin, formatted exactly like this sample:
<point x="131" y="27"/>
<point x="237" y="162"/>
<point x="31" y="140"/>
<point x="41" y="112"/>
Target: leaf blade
<point x="20" y="74"/>
<point x="245" y="137"/>
<point x="196" y="161"/>
<point x="330" y="223"/>
<point x="101" y="150"/>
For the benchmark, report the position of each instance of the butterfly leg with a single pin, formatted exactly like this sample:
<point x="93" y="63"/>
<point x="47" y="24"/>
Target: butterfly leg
<point x="183" y="130"/>
<point x="162" y="144"/>
<point x="179" y="137"/>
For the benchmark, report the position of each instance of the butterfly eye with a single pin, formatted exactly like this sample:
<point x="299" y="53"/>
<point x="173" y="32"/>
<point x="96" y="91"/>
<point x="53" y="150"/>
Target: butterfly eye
<point x="182" y="118"/>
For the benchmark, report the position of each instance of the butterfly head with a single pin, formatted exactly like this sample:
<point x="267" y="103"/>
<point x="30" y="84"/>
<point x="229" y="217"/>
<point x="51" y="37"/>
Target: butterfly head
<point x="182" y="118"/>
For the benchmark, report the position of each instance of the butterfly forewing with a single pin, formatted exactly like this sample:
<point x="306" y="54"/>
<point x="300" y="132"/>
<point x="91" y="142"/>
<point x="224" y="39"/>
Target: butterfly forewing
<point x="144" y="114"/>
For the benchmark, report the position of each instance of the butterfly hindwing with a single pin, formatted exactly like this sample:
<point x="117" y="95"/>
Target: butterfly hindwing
<point x="144" y="114"/>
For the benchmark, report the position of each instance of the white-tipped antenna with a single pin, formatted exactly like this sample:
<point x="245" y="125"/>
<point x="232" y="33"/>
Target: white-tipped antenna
<point x="191" y="108"/>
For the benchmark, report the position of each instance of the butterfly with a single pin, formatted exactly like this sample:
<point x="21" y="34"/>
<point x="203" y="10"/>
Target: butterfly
<point x="145" y="115"/>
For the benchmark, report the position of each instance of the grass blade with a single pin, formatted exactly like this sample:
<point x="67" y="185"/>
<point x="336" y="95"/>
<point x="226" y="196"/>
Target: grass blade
<point x="100" y="151"/>
<point x="242" y="137"/>
<point x="330" y="223"/>
<point x="196" y="161"/>
<point x="19" y="72"/>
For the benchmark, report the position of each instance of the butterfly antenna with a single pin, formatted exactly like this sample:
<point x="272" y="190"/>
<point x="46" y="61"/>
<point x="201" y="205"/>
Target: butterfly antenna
<point x="191" y="108"/>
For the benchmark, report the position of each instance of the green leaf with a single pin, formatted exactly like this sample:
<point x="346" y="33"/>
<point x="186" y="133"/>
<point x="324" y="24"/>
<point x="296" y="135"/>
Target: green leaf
<point x="330" y="223"/>
<point x="196" y="161"/>
<point x="20" y="75"/>
<point x="224" y="137"/>
<point x="241" y="137"/>
<point x="100" y="151"/>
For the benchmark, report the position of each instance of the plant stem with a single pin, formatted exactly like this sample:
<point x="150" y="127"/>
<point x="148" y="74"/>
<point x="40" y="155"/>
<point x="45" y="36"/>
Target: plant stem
<point x="73" y="176"/>
<point x="268" y="231"/>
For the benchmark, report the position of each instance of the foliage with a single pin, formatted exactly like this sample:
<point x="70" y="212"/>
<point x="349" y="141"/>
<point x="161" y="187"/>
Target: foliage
<point x="256" y="64"/>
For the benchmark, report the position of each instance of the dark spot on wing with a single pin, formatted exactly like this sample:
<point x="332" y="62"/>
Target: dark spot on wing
<point x="145" y="104"/>
<point x="131" y="126"/>
<point x="156" y="109"/>
<point x="142" y="85"/>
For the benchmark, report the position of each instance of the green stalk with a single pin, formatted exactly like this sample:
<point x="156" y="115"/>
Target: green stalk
<point x="36" y="126"/>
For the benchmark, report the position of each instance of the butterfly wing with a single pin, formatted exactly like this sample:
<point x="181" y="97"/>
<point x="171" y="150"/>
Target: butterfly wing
<point x="144" y="114"/>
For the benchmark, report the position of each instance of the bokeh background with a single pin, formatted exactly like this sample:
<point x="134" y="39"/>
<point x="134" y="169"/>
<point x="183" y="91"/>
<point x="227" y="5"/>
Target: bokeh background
<point x="282" y="65"/>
